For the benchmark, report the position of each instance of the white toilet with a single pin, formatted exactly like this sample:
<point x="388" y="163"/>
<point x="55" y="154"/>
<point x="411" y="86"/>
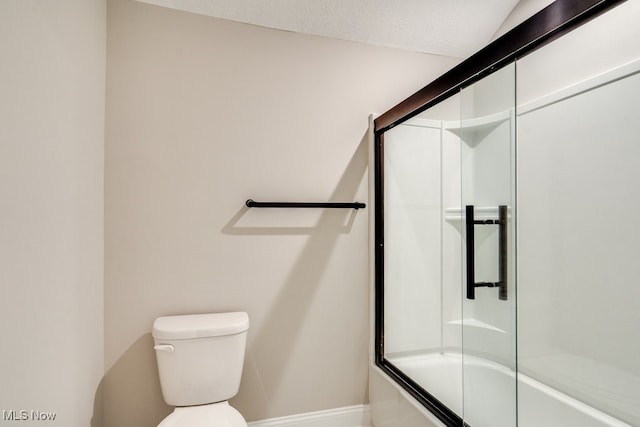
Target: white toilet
<point x="200" y="359"/>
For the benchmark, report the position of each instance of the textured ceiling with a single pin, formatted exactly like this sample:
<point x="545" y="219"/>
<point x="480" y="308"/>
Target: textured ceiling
<point x="455" y="28"/>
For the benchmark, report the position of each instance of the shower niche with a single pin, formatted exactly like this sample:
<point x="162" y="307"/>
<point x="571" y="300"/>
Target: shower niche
<point x="489" y="305"/>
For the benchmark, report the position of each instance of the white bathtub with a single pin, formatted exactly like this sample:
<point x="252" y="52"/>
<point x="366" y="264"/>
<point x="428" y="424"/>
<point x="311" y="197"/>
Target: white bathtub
<point x="490" y="394"/>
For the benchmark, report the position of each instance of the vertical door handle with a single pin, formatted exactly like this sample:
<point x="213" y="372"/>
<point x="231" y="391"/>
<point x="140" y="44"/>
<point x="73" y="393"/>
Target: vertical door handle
<point x="471" y="257"/>
<point x="470" y="223"/>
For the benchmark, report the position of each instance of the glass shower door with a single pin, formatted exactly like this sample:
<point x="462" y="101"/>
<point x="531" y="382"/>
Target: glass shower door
<point x="447" y="258"/>
<point x="487" y="159"/>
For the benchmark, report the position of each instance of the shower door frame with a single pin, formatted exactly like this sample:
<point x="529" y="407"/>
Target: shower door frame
<point x="556" y="20"/>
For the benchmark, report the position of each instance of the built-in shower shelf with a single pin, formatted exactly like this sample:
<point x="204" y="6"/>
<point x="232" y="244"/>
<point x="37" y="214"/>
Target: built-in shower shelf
<point x="481" y="213"/>
<point x="475" y="323"/>
<point x="462" y="127"/>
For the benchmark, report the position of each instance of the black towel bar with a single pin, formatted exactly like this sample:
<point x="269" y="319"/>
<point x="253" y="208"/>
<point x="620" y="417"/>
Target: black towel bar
<point x="334" y="205"/>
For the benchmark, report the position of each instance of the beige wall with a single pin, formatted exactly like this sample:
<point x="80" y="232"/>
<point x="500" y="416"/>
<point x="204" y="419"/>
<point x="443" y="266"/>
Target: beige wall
<point x="51" y="217"/>
<point x="201" y="115"/>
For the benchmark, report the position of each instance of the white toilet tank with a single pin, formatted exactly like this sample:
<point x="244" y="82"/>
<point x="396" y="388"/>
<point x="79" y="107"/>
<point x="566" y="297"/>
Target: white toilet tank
<point x="200" y="356"/>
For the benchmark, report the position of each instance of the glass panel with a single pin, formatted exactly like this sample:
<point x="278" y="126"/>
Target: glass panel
<point x="422" y="253"/>
<point x="578" y="175"/>
<point x="487" y="148"/>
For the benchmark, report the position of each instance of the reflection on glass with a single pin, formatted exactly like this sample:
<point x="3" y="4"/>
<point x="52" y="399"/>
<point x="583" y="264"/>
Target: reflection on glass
<point x="578" y="268"/>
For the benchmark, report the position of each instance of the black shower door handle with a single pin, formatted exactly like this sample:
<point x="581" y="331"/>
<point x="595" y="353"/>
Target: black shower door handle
<point x="470" y="224"/>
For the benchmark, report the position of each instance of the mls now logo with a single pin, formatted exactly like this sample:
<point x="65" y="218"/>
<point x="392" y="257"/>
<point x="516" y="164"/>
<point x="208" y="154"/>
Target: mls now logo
<point x="27" y="415"/>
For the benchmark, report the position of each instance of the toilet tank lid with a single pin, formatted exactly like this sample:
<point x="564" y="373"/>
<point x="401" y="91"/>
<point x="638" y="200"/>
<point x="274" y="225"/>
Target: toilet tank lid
<point x="200" y="325"/>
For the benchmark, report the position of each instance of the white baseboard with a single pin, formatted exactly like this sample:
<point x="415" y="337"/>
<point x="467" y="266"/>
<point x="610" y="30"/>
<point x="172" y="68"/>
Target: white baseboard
<point x="350" y="416"/>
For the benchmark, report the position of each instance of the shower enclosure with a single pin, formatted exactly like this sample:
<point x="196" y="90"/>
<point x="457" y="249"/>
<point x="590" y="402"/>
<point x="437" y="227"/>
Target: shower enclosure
<point x="506" y="244"/>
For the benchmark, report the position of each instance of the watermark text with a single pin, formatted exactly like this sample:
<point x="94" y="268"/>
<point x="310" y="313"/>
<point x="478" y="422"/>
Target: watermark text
<point x="27" y="415"/>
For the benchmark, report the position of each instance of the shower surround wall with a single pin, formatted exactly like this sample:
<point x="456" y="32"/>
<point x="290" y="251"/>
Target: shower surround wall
<point x="52" y="82"/>
<point x="201" y="115"/>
